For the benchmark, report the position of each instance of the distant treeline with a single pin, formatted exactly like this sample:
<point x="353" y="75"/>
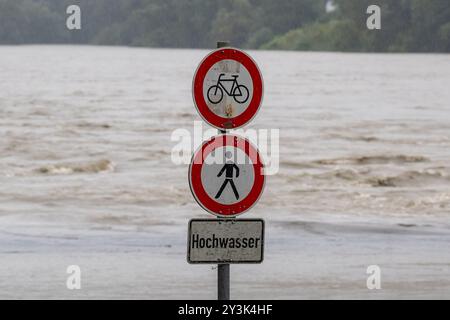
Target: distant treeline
<point x="407" y="25"/>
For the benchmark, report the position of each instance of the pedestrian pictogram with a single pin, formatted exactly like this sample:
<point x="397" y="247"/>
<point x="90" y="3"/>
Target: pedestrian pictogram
<point x="229" y="167"/>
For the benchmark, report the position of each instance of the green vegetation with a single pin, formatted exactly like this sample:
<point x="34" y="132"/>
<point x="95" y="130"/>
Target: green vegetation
<point x="334" y="35"/>
<point x="407" y="25"/>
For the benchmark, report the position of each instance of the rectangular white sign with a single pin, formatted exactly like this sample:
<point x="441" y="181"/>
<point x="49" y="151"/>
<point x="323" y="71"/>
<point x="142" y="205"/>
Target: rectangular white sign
<point x="226" y="241"/>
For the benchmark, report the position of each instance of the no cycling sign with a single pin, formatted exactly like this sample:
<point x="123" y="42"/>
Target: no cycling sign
<point x="227" y="88"/>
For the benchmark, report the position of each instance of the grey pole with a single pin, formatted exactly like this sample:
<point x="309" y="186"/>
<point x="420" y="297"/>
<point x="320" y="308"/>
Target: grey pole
<point x="223" y="282"/>
<point x="223" y="270"/>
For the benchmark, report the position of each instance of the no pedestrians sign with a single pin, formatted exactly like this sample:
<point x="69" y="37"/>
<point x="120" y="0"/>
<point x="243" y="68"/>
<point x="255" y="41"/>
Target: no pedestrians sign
<point x="226" y="175"/>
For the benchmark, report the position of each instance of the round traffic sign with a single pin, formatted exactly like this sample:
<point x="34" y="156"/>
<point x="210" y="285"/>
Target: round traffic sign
<point x="227" y="88"/>
<point x="226" y="175"/>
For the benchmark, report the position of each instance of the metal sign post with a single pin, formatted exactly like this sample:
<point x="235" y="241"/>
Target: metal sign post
<point x="223" y="282"/>
<point x="226" y="174"/>
<point x="223" y="270"/>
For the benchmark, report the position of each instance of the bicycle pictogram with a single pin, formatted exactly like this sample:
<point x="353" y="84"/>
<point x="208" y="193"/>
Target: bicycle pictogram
<point x="239" y="92"/>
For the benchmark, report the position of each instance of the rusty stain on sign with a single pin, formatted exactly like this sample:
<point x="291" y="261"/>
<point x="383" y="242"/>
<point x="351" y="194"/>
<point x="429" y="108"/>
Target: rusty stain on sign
<point x="229" y="110"/>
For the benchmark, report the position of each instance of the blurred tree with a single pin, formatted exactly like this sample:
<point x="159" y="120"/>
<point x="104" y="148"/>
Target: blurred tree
<point x="429" y="18"/>
<point x="407" y="25"/>
<point x="29" y="22"/>
<point x="234" y="22"/>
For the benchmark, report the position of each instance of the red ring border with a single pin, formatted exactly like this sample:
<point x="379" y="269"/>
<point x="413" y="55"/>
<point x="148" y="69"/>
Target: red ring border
<point x="199" y="100"/>
<point x="199" y="193"/>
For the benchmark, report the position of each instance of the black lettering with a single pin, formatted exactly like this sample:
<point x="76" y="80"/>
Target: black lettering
<point x="215" y="241"/>
<point x="195" y="241"/>
<point x="223" y="242"/>
<point x="219" y="242"/>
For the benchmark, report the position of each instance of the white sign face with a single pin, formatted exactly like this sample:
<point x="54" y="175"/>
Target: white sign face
<point x="226" y="241"/>
<point x="228" y="88"/>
